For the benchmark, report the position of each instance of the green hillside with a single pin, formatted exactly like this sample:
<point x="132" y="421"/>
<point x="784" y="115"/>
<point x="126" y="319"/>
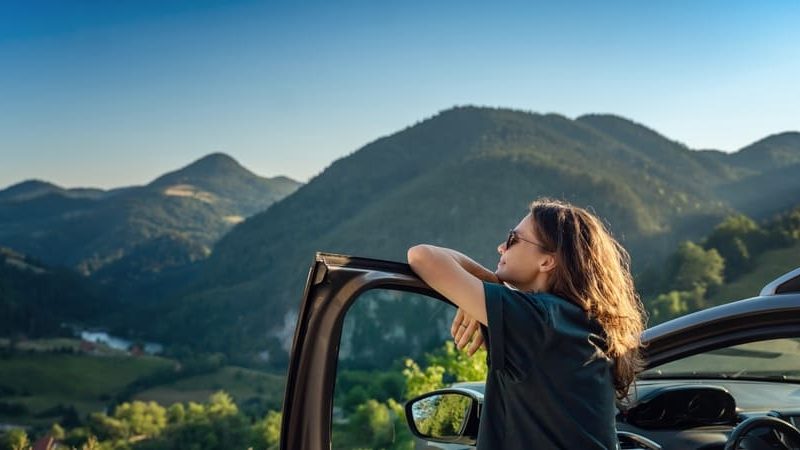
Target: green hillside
<point x="39" y="388"/>
<point x="47" y="381"/>
<point x="768" y="266"/>
<point x="134" y="236"/>
<point x="773" y="152"/>
<point x="461" y="178"/>
<point x="36" y="299"/>
<point x="764" y="194"/>
<point x="249" y="388"/>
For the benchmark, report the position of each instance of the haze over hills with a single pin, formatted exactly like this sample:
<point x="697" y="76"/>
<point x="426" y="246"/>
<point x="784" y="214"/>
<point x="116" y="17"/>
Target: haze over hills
<point x="463" y="178"/>
<point x="135" y="234"/>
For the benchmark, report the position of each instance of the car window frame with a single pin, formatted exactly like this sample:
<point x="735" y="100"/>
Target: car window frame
<point x="739" y="322"/>
<point x="332" y="285"/>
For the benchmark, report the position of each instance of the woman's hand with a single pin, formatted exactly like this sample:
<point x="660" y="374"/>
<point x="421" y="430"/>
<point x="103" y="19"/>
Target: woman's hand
<point x="464" y="329"/>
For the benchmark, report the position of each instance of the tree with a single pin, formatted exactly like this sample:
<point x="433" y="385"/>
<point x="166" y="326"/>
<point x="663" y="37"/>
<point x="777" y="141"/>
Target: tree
<point x="267" y="432"/>
<point x="108" y="428"/>
<point x="785" y="229"/>
<point x="445" y="365"/>
<point x="677" y="303"/>
<point x="695" y="266"/>
<point x="91" y="444"/>
<point x="221" y="404"/>
<point x="458" y="366"/>
<point x="196" y="412"/>
<point x="17" y="439"/>
<point x="176" y="414"/>
<point x="734" y="238"/>
<point x="142" y="419"/>
<point x="419" y="381"/>
<point x="379" y="425"/>
<point x="355" y="397"/>
<point x="57" y="432"/>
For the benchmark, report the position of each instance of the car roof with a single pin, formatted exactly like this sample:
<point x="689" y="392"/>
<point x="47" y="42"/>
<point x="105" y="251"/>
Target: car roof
<point x="742" y="308"/>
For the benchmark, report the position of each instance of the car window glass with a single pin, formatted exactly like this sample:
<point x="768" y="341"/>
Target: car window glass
<point x="382" y="331"/>
<point x="774" y="359"/>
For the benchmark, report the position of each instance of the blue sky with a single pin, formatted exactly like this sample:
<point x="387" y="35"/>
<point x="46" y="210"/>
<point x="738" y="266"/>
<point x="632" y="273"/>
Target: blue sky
<point x="113" y="93"/>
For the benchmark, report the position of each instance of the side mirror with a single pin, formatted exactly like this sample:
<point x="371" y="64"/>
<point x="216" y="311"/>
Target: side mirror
<point x="448" y="416"/>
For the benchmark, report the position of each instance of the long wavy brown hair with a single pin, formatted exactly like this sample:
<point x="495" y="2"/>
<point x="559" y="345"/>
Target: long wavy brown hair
<point x="593" y="270"/>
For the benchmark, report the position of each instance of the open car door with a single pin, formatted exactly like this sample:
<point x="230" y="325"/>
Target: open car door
<point x="333" y="283"/>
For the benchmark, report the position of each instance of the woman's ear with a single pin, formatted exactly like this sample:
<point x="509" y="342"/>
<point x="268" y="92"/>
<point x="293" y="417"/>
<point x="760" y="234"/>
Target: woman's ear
<point x="548" y="263"/>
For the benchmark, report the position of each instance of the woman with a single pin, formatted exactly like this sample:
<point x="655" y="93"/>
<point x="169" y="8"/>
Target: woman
<point x="562" y="324"/>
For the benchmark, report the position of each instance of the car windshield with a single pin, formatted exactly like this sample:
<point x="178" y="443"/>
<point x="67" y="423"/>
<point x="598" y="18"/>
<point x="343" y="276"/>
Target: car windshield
<point x="776" y="360"/>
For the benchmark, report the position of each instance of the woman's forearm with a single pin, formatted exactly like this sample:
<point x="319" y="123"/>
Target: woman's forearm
<point x="472" y="266"/>
<point x="443" y="271"/>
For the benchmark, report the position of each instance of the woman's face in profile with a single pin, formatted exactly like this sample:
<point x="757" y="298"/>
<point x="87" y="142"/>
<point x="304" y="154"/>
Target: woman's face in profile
<point x="522" y="256"/>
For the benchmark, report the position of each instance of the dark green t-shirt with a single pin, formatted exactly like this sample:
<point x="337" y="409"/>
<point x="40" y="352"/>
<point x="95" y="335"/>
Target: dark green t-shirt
<point x="550" y="382"/>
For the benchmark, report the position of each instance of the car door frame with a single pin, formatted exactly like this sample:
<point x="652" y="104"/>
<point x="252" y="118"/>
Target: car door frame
<point x="335" y="281"/>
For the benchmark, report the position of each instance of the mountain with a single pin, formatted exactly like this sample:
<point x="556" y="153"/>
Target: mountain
<point x="132" y="236"/>
<point x="672" y="160"/>
<point x="219" y="179"/>
<point x="36" y="299"/>
<point x="771" y="183"/>
<point x="461" y="178"/>
<point x="31" y="189"/>
<point x="770" y="153"/>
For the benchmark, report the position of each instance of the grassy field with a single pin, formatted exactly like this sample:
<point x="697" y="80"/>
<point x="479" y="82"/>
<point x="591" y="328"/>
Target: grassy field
<point x="243" y="384"/>
<point x="45" y="345"/>
<point x="41" y="381"/>
<point x="769" y="266"/>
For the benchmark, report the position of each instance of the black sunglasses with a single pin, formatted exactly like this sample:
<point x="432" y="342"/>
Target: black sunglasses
<point x="513" y="238"/>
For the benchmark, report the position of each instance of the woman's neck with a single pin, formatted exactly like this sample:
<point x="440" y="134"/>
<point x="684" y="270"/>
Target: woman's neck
<point x="538" y="284"/>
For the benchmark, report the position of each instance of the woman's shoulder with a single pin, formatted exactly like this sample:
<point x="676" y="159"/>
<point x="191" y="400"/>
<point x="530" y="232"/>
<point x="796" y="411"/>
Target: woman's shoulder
<point x="552" y="299"/>
<point x="540" y="298"/>
<point x="560" y="307"/>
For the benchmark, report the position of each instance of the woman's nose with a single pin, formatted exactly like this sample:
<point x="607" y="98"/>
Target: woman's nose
<point x="501" y="248"/>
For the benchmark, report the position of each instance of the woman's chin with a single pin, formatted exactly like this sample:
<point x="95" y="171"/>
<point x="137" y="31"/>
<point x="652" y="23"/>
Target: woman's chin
<point x="500" y="272"/>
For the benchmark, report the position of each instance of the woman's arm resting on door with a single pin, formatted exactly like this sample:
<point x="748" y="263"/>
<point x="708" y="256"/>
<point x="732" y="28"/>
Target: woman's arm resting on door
<point x="442" y="270"/>
<point x="465" y="329"/>
<point x="472" y="267"/>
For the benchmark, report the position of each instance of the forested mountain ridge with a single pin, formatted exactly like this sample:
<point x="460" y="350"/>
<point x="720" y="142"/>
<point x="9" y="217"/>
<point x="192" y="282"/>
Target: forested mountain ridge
<point x="771" y="182"/>
<point x="30" y="189"/>
<point x="35" y="299"/>
<point x="131" y="235"/>
<point x="461" y="178"/>
<point x="773" y="152"/>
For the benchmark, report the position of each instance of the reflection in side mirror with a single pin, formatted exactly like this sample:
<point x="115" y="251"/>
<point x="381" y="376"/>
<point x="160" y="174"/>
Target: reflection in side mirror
<point x="441" y="416"/>
<point x="446" y="415"/>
